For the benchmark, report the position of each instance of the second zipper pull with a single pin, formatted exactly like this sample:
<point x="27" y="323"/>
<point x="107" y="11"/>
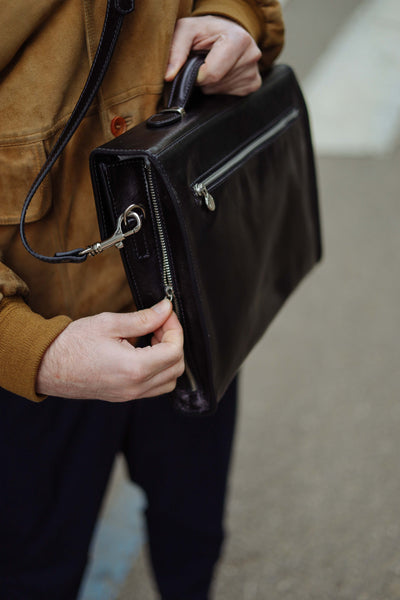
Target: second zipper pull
<point x="201" y="191"/>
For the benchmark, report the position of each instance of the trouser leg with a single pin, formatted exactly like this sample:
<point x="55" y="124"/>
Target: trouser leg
<point x="56" y="459"/>
<point x="182" y="465"/>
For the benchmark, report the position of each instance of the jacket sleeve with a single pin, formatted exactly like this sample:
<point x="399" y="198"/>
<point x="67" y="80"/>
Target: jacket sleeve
<point x="24" y="338"/>
<point x="261" y="18"/>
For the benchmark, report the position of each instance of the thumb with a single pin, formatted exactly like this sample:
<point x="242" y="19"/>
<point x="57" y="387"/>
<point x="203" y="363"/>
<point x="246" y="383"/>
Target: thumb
<point x="181" y="45"/>
<point x="142" y="322"/>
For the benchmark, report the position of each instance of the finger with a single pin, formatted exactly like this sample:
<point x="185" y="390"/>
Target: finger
<point x="145" y="363"/>
<point x="127" y="388"/>
<point x="171" y="323"/>
<point x="162" y="390"/>
<point x="182" y="42"/>
<point x="233" y="47"/>
<point x="173" y="336"/>
<point x="238" y="84"/>
<point x="224" y="61"/>
<point x="218" y="63"/>
<point x="169" y="344"/>
<point x="135" y="324"/>
<point x="162" y="383"/>
<point x="141" y="384"/>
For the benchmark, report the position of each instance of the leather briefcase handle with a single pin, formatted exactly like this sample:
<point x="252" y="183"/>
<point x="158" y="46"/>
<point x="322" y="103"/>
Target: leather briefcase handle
<point x="181" y="91"/>
<point x="115" y="13"/>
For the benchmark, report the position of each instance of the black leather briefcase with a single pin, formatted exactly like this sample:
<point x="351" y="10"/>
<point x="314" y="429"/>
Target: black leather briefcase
<point x="213" y="203"/>
<point x="217" y="198"/>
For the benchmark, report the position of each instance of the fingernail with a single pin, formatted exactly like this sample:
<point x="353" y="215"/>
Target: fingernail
<point x="162" y="307"/>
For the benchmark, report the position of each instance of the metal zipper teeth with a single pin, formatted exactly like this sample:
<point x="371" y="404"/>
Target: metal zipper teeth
<point x="251" y="148"/>
<point x="167" y="272"/>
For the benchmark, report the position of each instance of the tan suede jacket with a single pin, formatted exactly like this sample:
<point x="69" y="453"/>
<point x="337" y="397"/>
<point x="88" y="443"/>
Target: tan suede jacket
<point x="46" y="47"/>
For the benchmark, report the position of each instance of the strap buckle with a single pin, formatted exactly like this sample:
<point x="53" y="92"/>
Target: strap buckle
<point x="133" y="212"/>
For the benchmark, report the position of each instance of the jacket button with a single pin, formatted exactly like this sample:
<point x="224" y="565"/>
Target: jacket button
<point x="118" y="126"/>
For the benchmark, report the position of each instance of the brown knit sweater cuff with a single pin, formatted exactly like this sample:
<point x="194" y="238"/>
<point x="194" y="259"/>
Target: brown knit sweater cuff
<point x="24" y="338"/>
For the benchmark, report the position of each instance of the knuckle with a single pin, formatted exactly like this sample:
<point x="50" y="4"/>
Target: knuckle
<point x="256" y="53"/>
<point x="254" y="85"/>
<point x="243" y="39"/>
<point x="182" y="22"/>
<point x="181" y="368"/>
<point x="178" y="357"/>
<point x="250" y="48"/>
<point x="170" y="386"/>
<point x="213" y="77"/>
<point x="177" y="372"/>
<point x="181" y="363"/>
<point x="138" y="375"/>
<point x="186" y="25"/>
<point x="127" y="395"/>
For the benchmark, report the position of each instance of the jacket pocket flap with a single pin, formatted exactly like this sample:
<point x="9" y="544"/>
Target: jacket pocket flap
<point x="19" y="165"/>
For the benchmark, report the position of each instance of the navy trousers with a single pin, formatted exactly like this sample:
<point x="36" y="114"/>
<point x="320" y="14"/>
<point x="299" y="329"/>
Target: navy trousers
<point x="56" y="458"/>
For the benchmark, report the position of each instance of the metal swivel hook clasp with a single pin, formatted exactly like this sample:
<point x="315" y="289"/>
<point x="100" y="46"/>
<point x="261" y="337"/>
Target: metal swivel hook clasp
<point x="134" y="212"/>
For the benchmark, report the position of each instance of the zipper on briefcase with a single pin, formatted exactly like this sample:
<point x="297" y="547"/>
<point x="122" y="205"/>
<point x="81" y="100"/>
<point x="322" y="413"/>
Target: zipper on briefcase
<point x="167" y="276"/>
<point x="166" y="265"/>
<point x="205" y="185"/>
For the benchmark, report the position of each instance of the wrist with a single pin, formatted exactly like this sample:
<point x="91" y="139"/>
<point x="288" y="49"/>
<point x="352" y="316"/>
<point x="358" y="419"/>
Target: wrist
<point x="24" y="338"/>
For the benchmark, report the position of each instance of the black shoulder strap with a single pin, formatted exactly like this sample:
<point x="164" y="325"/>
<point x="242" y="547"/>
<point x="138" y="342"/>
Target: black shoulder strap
<point x="116" y="10"/>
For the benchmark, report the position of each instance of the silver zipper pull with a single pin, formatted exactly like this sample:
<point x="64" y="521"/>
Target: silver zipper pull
<point x="169" y="292"/>
<point x="201" y="191"/>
